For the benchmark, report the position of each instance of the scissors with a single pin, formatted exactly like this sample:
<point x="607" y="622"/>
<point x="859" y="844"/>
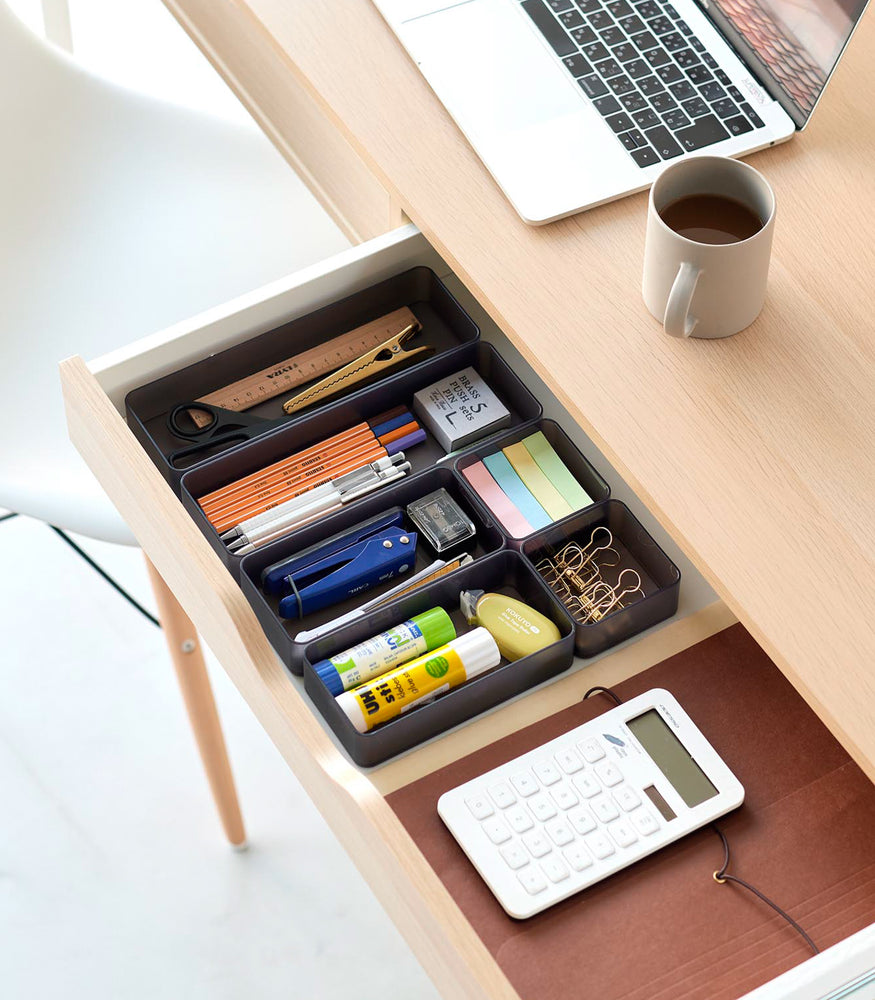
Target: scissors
<point x="225" y="427"/>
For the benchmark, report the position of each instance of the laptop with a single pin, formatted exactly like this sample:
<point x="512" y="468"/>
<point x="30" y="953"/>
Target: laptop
<point x="572" y="103"/>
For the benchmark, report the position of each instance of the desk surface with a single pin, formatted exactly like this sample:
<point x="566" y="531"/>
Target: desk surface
<point x="756" y="453"/>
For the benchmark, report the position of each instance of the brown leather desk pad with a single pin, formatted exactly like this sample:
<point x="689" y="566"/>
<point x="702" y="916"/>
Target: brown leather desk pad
<point x="663" y="929"/>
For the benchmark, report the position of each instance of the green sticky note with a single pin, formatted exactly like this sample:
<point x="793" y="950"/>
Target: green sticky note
<point x="557" y="471"/>
<point x="536" y="481"/>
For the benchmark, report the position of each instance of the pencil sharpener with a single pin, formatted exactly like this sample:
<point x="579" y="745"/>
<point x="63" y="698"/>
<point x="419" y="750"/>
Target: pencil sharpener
<point x="441" y="520"/>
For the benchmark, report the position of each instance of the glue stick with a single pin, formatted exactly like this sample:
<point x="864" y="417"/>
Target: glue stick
<point x="380" y="653"/>
<point x="391" y="694"/>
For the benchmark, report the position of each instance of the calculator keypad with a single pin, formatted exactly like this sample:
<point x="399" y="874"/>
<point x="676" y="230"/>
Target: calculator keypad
<point x="562" y="816"/>
<point x="585" y="805"/>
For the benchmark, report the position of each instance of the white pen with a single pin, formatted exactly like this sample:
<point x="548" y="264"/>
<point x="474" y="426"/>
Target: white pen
<point x="245" y="528"/>
<point x="303" y="516"/>
<point x="320" y="630"/>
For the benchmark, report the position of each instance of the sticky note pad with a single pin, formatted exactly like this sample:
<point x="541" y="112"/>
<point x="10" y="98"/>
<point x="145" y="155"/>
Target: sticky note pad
<point x="557" y="471"/>
<point x="540" y="486"/>
<point x="503" y="473"/>
<point x="497" y="500"/>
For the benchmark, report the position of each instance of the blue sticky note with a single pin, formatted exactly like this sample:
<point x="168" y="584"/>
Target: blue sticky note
<point x="517" y="492"/>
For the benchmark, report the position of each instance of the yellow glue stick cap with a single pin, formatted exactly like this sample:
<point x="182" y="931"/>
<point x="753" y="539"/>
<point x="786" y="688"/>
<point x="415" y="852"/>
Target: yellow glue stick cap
<point x="517" y="628"/>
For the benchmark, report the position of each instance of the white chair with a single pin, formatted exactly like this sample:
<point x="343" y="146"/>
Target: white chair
<point x="120" y="215"/>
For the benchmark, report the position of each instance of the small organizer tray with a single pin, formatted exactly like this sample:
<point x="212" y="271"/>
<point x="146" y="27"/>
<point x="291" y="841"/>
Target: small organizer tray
<point x="282" y="632"/>
<point x="579" y="466"/>
<point x="336" y="417"/>
<point x="445" y="326"/>
<point x="503" y="572"/>
<point x="660" y="578"/>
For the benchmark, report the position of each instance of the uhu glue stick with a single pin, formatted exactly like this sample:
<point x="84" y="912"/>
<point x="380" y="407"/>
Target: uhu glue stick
<point x="391" y="694"/>
<point x="431" y="629"/>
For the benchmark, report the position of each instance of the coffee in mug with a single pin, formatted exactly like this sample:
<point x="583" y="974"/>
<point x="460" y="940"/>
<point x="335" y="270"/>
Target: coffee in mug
<point x="709" y="239"/>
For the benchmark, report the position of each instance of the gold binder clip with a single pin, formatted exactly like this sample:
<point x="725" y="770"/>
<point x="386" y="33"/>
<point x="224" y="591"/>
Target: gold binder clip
<point x="384" y="356"/>
<point x="575" y="574"/>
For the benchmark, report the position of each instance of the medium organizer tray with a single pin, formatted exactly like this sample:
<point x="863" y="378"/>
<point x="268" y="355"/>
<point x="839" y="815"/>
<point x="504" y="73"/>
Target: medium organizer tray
<point x="339" y="416"/>
<point x="446" y="327"/>
<point x="503" y="572"/>
<point x="281" y="631"/>
<point x="660" y="577"/>
<point x="578" y="465"/>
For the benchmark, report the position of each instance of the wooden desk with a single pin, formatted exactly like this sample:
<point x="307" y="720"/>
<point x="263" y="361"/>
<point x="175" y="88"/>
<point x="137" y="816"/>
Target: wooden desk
<point x="755" y="453"/>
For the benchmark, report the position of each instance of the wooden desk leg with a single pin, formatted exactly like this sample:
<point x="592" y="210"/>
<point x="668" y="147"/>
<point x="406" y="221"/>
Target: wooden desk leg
<point x="188" y="661"/>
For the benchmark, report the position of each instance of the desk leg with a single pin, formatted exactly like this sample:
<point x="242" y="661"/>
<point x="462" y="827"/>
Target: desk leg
<point x="188" y="661"/>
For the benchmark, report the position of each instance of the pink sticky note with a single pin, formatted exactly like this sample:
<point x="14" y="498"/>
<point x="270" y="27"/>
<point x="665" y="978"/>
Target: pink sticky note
<point x="496" y="500"/>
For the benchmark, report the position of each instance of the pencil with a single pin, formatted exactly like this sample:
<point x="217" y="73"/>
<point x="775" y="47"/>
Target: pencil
<point x="314" y="453"/>
<point x="339" y="441"/>
<point x="244" y="504"/>
<point x="232" y="518"/>
<point x="294" y="475"/>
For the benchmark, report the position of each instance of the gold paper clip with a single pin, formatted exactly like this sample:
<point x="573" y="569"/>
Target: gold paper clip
<point x="386" y="355"/>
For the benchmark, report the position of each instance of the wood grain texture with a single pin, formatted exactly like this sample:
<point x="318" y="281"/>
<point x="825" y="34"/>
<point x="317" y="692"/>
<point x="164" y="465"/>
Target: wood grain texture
<point x="755" y="453"/>
<point x="291" y="118"/>
<point x="411" y="893"/>
<point x="194" y="682"/>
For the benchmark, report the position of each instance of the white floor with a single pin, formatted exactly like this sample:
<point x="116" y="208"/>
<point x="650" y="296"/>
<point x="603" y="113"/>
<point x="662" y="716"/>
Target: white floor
<point x="115" y="879"/>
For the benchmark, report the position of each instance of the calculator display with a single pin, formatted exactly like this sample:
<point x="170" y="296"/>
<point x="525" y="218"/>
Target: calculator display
<point x="672" y="758"/>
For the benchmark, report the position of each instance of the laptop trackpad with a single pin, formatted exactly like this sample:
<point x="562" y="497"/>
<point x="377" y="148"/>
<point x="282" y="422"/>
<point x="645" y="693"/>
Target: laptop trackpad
<point x="489" y="68"/>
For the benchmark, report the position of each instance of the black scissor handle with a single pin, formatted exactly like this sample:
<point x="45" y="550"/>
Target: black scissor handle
<point x="194" y="431"/>
<point x="220" y="441"/>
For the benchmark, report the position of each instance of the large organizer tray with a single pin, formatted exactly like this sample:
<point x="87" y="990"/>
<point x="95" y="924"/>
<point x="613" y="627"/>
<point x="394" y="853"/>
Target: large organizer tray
<point x="500" y="563"/>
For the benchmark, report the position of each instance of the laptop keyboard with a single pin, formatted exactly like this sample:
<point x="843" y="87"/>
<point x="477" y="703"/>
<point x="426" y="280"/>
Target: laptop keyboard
<point x="646" y="73"/>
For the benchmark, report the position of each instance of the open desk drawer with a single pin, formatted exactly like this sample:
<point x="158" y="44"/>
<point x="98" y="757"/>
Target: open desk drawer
<point x="352" y="800"/>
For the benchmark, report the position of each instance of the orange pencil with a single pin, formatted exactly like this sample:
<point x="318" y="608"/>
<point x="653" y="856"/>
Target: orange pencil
<point x="296" y="474"/>
<point x="232" y="519"/>
<point x="247" y="506"/>
<point x="293" y="467"/>
<point x="401" y="432"/>
<point x="360" y="430"/>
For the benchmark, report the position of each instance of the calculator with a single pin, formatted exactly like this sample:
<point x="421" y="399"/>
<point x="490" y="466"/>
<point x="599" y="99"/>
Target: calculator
<point x="589" y="803"/>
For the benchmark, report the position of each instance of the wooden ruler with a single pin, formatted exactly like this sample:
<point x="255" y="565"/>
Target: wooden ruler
<point x="304" y="367"/>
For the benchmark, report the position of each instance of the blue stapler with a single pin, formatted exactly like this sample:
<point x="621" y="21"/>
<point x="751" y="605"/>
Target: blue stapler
<point x="320" y="578"/>
<point x="274" y="579"/>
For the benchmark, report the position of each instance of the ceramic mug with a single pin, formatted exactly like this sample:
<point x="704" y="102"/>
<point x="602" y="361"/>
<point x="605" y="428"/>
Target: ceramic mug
<point x="705" y="289"/>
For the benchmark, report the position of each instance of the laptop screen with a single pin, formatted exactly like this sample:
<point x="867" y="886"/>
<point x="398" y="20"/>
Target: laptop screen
<point x="798" y="42"/>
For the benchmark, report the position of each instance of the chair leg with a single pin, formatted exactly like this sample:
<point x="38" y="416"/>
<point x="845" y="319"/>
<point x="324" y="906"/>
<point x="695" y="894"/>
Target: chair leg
<point x="188" y="661"/>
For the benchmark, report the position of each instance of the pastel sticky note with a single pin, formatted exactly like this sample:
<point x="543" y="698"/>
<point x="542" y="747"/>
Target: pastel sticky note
<point x="503" y="473"/>
<point x="497" y="500"/>
<point x="556" y="471"/>
<point x="540" y="486"/>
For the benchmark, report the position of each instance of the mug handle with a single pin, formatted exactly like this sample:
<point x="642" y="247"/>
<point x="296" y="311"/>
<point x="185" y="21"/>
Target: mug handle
<point x="678" y="322"/>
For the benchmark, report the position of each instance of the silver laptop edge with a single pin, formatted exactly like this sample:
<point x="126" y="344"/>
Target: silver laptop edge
<point x="548" y="148"/>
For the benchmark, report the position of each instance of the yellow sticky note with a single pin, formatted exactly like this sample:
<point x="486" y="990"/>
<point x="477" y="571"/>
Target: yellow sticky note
<point x="537" y="483"/>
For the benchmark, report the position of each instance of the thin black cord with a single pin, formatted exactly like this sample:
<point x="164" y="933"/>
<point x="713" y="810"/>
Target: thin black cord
<point x="98" y="569"/>
<point x="7" y="517"/>
<point x="598" y="689"/>
<point x="721" y="876"/>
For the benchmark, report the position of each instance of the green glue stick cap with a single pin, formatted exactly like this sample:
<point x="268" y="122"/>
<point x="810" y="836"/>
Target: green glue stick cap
<point x="436" y="626"/>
